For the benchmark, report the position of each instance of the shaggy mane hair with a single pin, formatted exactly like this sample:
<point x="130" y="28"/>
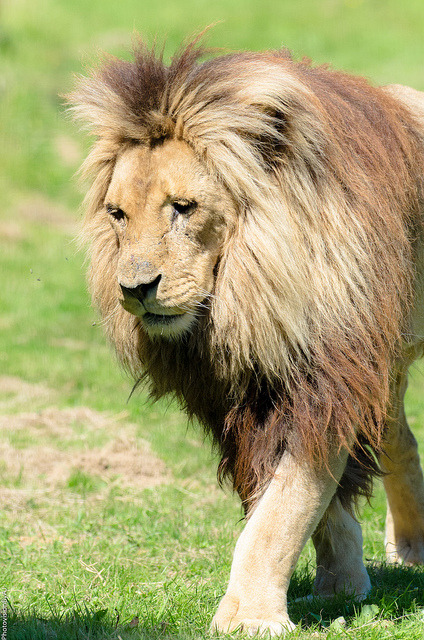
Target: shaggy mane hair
<point x="313" y="289"/>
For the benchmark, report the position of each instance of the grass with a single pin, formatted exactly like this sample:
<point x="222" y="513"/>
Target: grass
<point x="91" y="547"/>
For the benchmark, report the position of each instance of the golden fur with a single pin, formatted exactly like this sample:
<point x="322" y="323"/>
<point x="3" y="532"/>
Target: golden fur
<point x="320" y="180"/>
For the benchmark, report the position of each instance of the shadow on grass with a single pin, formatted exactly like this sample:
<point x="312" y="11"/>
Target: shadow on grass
<point x="104" y="624"/>
<point x="89" y="626"/>
<point x="397" y="591"/>
<point x="35" y="628"/>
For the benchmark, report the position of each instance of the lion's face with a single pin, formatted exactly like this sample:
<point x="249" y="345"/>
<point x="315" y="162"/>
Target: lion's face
<point x="170" y="218"/>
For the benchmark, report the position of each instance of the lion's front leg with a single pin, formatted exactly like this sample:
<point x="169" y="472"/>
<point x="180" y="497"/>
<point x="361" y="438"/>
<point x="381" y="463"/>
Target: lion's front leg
<point x="269" y="547"/>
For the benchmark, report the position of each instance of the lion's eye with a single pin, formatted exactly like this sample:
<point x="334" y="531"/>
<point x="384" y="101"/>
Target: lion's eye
<point x="115" y="212"/>
<point x="184" y="207"/>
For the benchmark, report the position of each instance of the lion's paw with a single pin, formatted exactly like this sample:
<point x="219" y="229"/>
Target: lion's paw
<point x="268" y="628"/>
<point x="355" y="584"/>
<point x="406" y="550"/>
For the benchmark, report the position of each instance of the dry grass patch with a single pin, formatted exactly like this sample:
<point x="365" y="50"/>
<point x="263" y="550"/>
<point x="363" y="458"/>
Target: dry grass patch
<point x="47" y="448"/>
<point x="123" y="458"/>
<point x="15" y="393"/>
<point x="59" y="422"/>
<point x="130" y="463"/>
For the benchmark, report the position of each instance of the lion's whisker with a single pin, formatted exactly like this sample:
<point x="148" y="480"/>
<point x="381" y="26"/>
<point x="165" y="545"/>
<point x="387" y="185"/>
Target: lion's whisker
<point x="109" y="317"/>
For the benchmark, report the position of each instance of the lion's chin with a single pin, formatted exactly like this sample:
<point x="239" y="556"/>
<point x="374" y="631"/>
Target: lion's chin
<point x="170" y="327"/>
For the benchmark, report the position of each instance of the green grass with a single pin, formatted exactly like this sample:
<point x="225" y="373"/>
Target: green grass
<point x="86" y="551"/>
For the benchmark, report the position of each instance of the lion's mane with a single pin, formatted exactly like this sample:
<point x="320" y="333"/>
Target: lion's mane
<point x="313" y="289"/>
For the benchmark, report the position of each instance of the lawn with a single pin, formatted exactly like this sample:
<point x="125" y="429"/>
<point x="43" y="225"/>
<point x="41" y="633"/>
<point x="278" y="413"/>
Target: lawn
<point x="112" y="524"/>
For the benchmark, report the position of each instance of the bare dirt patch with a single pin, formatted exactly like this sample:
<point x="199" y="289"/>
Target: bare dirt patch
<point x="128" y="462"/>
<point x="32" y="459"/>
<point x="58" y="422"/>
<point x="15" y="393"/>
<point x="123" y="459"/>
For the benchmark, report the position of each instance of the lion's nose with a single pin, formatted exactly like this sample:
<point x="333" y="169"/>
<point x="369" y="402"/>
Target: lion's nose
<point x="142" y="291"/>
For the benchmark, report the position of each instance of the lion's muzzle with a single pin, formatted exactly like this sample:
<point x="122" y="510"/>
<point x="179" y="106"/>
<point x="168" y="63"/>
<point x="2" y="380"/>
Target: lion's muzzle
<point x="143" y="291"/>
<point x="141" y="300"/>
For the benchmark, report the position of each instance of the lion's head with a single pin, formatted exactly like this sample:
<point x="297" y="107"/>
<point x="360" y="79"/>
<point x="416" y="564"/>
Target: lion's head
<point x="170" y="218"/>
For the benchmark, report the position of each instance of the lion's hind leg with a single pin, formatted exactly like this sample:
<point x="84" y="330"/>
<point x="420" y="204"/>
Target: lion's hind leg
<point x="403" y="483"/>
<point x="338" y="546"/>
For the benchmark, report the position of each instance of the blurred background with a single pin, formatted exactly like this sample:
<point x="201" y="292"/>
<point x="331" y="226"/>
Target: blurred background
<point x="110" y="513"/>
<point x="44" y="42"/>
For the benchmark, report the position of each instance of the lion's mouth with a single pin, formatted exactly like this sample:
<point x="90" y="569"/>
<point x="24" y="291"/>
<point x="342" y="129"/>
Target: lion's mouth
<point x="156" y="319"/>
<point x="167" y="326"/>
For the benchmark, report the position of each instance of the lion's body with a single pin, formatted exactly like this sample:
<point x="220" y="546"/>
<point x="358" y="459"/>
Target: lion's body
<point x="257" y="250"/>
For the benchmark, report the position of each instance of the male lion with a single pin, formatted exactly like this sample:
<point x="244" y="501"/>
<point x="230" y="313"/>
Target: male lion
<point x="256" y="230"/>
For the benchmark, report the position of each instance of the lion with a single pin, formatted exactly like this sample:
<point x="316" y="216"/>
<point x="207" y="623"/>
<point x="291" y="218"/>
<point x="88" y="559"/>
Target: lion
<point x="256" y="243"/>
